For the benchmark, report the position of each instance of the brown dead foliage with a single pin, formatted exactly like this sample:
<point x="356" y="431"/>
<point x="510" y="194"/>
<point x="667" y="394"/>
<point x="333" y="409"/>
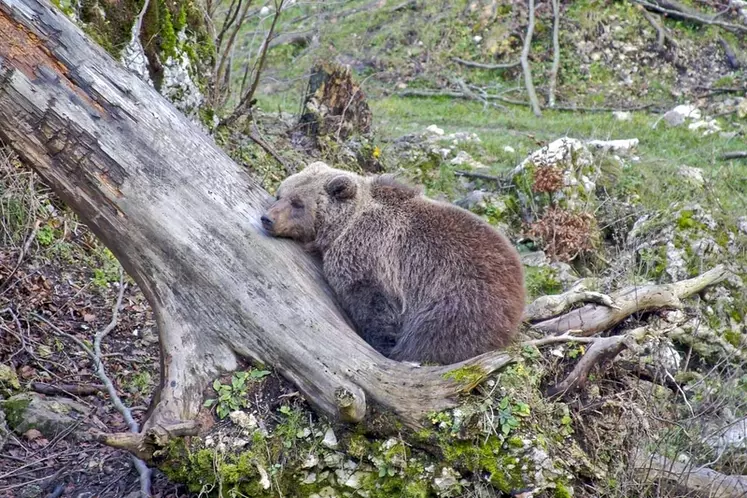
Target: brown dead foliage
<point x="564" y="234"/>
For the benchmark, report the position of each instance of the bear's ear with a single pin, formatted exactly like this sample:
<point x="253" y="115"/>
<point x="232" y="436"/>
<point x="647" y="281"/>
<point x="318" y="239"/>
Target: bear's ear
<point x="341" y="187"/>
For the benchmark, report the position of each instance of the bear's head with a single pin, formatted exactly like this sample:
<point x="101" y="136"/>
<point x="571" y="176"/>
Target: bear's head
<point x="317" y="197"/>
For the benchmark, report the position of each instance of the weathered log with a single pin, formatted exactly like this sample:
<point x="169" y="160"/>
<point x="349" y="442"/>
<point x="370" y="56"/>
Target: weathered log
<point x="690" y="479"/>
<point x="182" y="218"/>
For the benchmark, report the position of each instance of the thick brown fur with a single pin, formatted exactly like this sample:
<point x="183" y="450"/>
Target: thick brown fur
<point x="422" y="280"/>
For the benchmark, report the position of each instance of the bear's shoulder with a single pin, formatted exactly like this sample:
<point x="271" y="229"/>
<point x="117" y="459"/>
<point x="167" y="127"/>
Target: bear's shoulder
<point x="386" y="189"/>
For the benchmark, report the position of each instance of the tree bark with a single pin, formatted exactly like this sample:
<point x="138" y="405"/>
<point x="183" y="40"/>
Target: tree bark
<point x="182" y="218"/>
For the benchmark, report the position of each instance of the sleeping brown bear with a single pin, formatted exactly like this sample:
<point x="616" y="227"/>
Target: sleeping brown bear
<point x="422" y="280"/>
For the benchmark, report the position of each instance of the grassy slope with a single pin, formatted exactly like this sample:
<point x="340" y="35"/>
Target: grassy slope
<point x="414" y="48"/>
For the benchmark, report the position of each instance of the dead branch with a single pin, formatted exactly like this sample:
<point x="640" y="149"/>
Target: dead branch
<point x="698" y="481"/>
<point x="482" y="176"/>
<point x="679" y="11"/>
<point x="592" y="318"/>
<point x="525" y="64"/>
<point x="740" y="154"/>
<point x="545" y="307"/>
<point x="555" y="54"/>
<point x="601" y="349"/>
<point x="662" y="36"/>
<point x="254" y="136"/>
<point x="74" y="389"/>
<point x="481" y="65"/>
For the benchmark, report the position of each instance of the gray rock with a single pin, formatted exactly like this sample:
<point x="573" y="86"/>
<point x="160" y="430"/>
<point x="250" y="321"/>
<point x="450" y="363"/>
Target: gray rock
<point x="49" y="415"/>
<point x="472" y="200"/>
<point x="679" y="114"/>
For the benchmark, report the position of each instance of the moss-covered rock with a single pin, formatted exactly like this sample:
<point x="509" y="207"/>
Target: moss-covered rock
<point x="49" y="415"/>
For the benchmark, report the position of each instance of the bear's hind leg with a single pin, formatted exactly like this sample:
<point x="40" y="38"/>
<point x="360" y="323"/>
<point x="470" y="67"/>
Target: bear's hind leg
<point x="376" y="314"/>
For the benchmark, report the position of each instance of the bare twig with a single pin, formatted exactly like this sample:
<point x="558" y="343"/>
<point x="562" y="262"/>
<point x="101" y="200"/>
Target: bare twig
<point x="481" y="65"/>
<point x="481" y="176"/>
<point x="219" y="73"/>
<point x="690" y="15"/>
<point x="21" y="256"/>
<point x="555" y="54"/>
<point x="525" y="64"/>
<point x="254" y="136"/>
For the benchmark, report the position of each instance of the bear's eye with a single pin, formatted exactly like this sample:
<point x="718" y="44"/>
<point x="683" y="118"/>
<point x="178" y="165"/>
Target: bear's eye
<point x="297" y="204"/>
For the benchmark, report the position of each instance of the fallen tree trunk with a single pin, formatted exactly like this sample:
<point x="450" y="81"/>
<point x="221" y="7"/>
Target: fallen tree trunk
<point x="689" y="479"/>
<point x="183" y="220"/>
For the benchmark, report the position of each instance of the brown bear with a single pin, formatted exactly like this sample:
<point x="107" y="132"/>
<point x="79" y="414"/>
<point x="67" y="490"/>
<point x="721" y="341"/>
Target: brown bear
<point x="423" y="281"/>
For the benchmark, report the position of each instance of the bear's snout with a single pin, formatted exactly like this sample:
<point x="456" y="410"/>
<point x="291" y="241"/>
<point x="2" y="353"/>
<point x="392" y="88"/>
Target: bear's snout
<point x="267" y="222"/>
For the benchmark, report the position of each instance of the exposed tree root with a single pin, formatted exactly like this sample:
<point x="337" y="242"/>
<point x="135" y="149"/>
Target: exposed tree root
<point x="149" y="444"/>
<point x="697" y="481"/>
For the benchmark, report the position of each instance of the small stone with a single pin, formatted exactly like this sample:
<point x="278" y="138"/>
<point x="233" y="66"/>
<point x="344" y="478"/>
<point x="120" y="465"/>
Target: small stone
<point x="620" y="146"/>
<point x="32" y="435"/>
<point x="509" y="149"/>
<point x="264" y="479"/>
<point x="447" y="481"/>
<point x="742" y="224"/>
<point x="330" y="440"/>
<point x="679" y="114"/>
<point x="264" y="10"/>
<point x="356" y="479"/>
<point x="622" y="115"/>
<point x="8" y="378"/>
<point x="473" y="199"/>
<point x="239" y="443"/>
<point x="244" y="420"/>
<point x="303" y="433"/>
<point x="694" y="175"/>
<point x="435" y="130"/>
<point x="311" y="461"/>
<point x="710" y="126"/>
<point x="309" y="478"/>
<point x="333" y="460"/>
<point x="477" y="38"/>
<point x="742" y="109"/>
